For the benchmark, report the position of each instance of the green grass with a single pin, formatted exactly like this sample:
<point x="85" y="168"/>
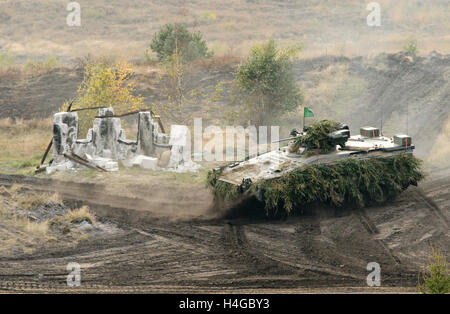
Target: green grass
<point x="24" y="166"/>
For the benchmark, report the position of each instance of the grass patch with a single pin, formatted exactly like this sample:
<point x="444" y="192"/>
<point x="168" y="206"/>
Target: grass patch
<point x="23" y="144"/>
<point x="27" y="200"/>
<point x="18" y="233"/>
<point x="77" y="216"/>
<point x="23" y="233"/>
<point x="32" y="66"/>
<point x="358" y="182"/>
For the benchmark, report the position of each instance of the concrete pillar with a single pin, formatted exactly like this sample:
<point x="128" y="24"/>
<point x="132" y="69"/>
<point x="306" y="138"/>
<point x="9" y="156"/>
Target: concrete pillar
<point x="145" y="134"/>
<point x="106" y="132"/>
<point x="65" y="132"/>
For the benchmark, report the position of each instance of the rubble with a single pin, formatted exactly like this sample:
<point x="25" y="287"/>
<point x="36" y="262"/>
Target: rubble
<point x="141" y="161"/>
<point x="106" y="144"/>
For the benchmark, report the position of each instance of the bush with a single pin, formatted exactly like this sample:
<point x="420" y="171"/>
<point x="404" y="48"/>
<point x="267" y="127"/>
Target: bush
<point x="268" y="77"/>
<point x="176" y="38"/>
<point x="435" y="279"/>
<point x="411" y="47"/>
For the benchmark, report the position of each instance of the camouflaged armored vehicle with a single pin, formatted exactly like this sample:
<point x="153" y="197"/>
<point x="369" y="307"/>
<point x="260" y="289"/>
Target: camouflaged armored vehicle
<point x="321" y="164"/>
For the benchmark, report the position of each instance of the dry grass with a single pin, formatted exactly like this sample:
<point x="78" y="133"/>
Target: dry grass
<point x="27" y="200"/>
<point x="79" y="214"/>
<point x="229" y="59"/>
<point x="23" y="142"/>
<point x="38" y="27"/>
<point x="33" y="199"/>
<point x="19" y="234"/>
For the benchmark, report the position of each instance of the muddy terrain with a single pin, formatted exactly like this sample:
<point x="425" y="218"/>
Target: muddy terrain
<point x="200" y="250"/>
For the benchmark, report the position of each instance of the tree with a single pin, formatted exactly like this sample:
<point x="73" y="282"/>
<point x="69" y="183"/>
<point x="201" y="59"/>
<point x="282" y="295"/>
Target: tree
<point x="106" y="85"/>
<point x="435" y="278"/>
<point x="176" y="37"/>
<point x="180" y="97"/>
<point x="268" y="78"/>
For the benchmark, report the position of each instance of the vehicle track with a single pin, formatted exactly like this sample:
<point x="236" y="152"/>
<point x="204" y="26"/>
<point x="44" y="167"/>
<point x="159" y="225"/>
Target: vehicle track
<point x="373" y="230"/>
<point x="431" y="205"/>
<point x="240" y="249"/>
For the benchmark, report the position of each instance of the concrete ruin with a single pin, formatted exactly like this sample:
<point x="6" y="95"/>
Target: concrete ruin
<point x="106" y="144"/>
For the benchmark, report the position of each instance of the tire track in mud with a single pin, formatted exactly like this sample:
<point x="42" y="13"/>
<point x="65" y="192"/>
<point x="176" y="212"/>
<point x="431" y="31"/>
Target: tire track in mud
<point x="240" y="249"/>
<point x="263" y="259"/>
<point x="372" y="229"/>
<point x="421" y="197"/>
<point x="304" y="248"/>
<point x="163" y="261"/>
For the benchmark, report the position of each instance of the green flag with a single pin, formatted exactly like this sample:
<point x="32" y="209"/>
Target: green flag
<point x="308" y="113"/>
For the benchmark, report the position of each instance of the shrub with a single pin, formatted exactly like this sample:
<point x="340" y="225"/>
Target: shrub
<point x="435" y="278"/>
<point x="411" y="47"/>
<point x="176" y="38"/>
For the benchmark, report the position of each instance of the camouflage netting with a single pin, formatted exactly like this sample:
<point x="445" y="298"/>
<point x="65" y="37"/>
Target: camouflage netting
<point x="317" y="137"/>
<point x="351" y="181"/>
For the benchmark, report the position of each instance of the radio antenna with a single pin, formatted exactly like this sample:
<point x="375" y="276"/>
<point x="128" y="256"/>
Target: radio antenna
<point x="407" y="118"/>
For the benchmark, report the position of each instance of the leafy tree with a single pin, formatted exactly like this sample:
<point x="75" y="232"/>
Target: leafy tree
<point x="268" y="78"/>
<point x="180" y="97"/>
<point x="176" y="37"/>
<point x="105" y="85"/>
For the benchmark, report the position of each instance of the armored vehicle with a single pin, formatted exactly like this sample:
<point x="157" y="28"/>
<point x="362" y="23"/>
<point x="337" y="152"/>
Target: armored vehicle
<point x="323" y="163"/>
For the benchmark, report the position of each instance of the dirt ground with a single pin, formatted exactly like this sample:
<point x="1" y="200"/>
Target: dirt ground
<point x="180" y="244"/>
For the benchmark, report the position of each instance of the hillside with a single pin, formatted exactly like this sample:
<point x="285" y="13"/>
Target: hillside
<point x="38" y="28"/>
<point x="408" y="94"/>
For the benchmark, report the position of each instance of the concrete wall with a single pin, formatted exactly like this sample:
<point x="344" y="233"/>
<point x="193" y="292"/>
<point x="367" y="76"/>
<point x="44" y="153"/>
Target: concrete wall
<point x="106" y="138"/>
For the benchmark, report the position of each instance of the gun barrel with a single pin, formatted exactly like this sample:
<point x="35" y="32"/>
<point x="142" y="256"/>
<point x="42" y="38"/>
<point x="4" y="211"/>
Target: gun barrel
<point x="285" y="139"/>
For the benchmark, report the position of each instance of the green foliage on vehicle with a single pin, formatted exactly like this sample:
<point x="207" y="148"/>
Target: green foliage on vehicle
<point x="350" y="181"/>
